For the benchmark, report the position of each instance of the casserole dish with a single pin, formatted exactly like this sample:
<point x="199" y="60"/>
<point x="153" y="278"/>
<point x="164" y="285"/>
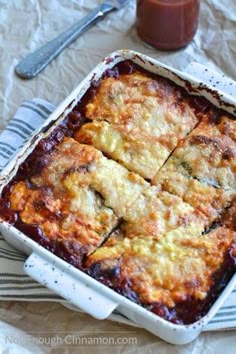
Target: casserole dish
<point x="74" y="285"/>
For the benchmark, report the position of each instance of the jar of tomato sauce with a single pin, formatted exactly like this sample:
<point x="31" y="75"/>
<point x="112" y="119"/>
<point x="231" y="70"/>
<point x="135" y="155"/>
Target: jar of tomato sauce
<point x="167" y="24"/>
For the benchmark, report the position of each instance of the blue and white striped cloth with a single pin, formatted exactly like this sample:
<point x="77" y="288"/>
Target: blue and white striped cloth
<point x="14" y="283"/>
<point x="29" y="116"/>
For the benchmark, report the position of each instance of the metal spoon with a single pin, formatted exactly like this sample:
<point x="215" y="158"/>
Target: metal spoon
<point x="35" y="62"/>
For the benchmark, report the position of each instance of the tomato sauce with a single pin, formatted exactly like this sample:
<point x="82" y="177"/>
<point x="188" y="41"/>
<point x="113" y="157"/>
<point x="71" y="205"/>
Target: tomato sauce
<point x="167" y="24"/>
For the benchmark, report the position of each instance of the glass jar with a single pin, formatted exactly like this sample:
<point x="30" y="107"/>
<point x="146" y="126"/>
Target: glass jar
<point x="167" y="24"/>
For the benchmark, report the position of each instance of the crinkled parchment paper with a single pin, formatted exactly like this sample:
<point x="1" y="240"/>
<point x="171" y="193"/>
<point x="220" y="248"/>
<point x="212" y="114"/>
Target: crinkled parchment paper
<point x="24" y="26"/>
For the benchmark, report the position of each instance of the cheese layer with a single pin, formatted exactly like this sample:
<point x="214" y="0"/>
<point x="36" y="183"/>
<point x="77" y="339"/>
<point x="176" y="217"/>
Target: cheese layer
<point x="206" y="200"/>
<point x="76" y="194"/>
<point x="208" y="154"/>
<point x="87" y="167"/>
<point x="141" y="121"/>
<point x="139" y="154"/>
<point x="155" y="212"/>
<point x="170" y="270"/>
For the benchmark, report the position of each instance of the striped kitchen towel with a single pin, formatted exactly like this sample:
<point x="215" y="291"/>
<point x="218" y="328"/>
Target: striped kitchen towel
<point x="14" y="283"/>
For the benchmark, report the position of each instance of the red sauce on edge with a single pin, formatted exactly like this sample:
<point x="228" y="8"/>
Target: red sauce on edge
<point x="167" y="24"/>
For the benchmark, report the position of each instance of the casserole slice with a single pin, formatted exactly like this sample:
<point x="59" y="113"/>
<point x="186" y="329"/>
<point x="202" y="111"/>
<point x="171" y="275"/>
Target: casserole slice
<point x="139" y="153"/>
<point x="206" y="200"/>
<point x="69" y="200"/>
<point x="78" y="165"/>
<point x="154" y="213"/>
<point x="202" y="168"/>
<point x="207" y="154"/>
<point x="173" y="276"/>
<point x="137" y="120"/>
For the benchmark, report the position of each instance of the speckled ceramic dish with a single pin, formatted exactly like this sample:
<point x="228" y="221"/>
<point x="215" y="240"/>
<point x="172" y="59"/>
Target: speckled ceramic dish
<point x="72" y="284"/>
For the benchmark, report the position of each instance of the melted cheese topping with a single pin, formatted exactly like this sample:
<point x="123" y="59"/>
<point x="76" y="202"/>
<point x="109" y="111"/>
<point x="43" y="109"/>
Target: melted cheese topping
<point x="139" y="102"/>
<point x="143" y="156"/>
<point x="209" y="155"/>
<point x="207" y="201"/>
<point x="66" y="199"/>
<point x="170" y="270"/>
<point x="86" y="166"/>
<point x="154" y="213"/>
<point x="145" y="122"/>
<point x="79" y="217"/>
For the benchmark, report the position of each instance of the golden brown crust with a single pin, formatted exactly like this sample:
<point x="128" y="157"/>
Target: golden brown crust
<point x="169" y="270"/>
<point x="79" y="195"/>
<point x="141" y="117"/>
<point x="202" y="168"/>
<point x="139" y="102"/>
<point x="207" y="201"/>
<point x="208" y="155"/>
<point x="155" y="213"/>
<point x="139" y="153"/>
<point x="87" y="167"/>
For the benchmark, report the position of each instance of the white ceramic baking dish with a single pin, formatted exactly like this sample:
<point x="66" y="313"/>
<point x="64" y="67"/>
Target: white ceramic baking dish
<point x="72" y="284"/>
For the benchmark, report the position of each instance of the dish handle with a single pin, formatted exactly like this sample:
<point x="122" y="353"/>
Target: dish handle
<point x="83" y="293"/>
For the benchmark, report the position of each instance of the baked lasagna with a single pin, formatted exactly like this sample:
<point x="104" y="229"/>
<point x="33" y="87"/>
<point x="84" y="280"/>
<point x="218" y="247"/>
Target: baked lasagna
<point x="136" y="187"/>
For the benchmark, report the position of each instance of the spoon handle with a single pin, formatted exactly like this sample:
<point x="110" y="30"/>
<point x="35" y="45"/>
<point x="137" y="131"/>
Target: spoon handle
<point x="35" y="62"/>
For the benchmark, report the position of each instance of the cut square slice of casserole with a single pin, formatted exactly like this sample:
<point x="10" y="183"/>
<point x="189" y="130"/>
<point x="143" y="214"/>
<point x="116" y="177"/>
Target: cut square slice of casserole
<point x="72" y="197"/>
<point x="141" y="154"/>
<point x="206" y="200"/>
<point x="77" y="165"/>
<point x="170" y="271"/>
<point x="154" y="213"/>
<point x="207" y="155"/>
<point x="138" y="121"/>
<point x="202" y="168"/>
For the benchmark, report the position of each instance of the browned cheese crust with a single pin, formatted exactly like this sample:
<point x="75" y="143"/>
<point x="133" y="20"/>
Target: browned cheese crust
<point x="169" y="270"/>
<point x="137" y="121"/>
<point x="72" y="198"/>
